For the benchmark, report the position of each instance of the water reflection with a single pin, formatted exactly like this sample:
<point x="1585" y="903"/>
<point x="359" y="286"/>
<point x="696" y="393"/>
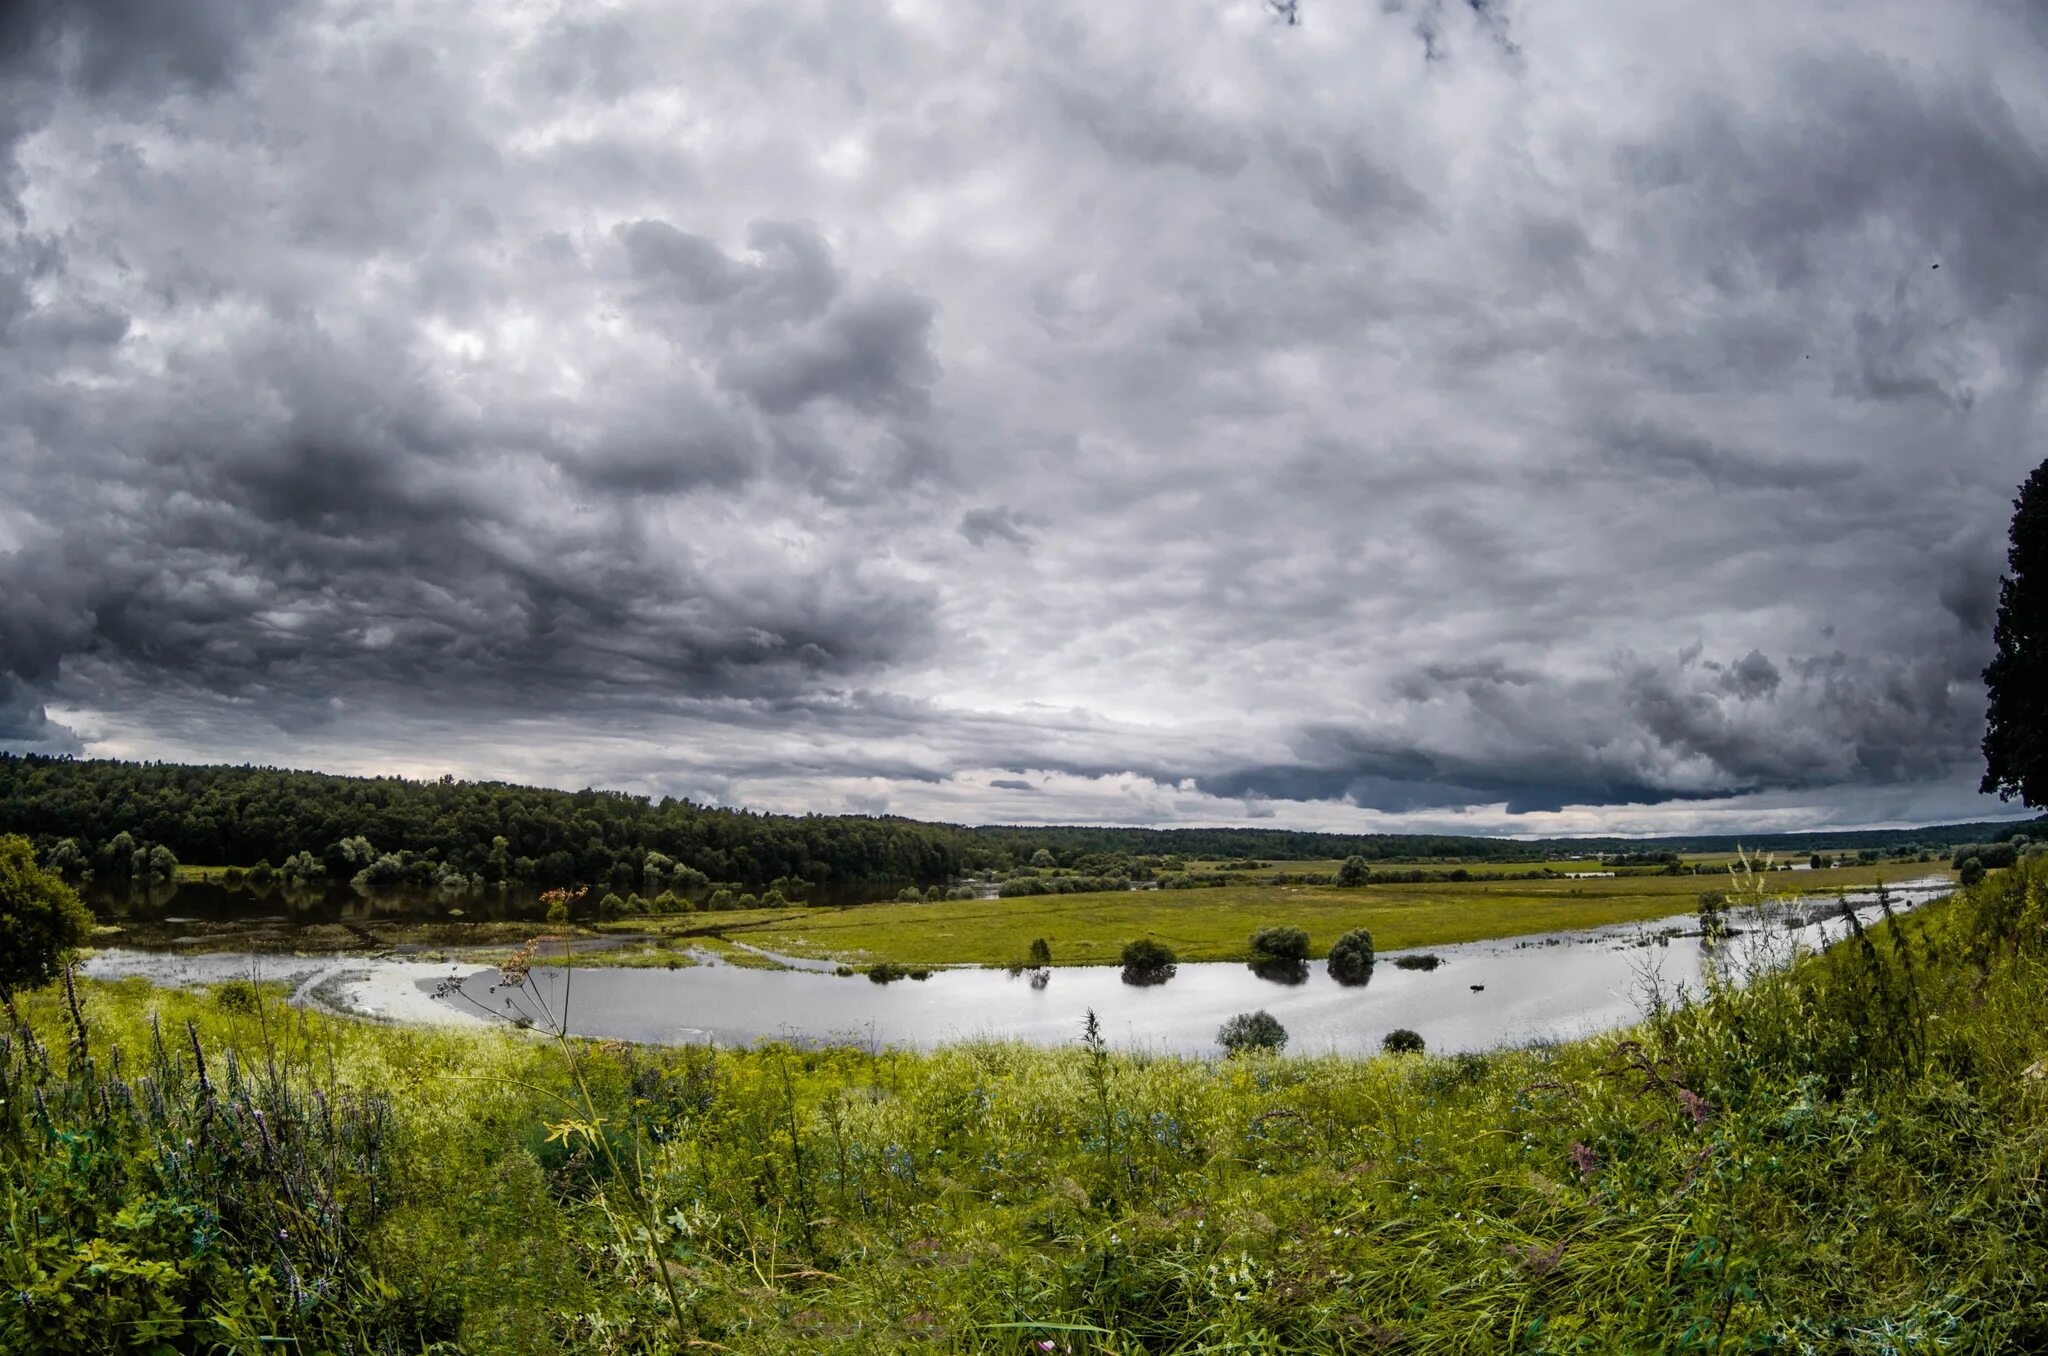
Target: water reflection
<point x="1284" y="971"/>
<point x="1513" y="990"/>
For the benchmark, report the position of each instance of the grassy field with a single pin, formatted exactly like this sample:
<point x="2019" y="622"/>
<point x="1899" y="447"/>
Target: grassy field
<point x="1329" y="865"/>
<point x="1561" y="865"/>
<point x="1215" y="924"/>
<point x="1848" y="1157"/>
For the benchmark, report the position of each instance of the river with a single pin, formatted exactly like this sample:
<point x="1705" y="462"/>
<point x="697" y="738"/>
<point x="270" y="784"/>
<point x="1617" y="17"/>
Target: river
<point x="1510" y="991"/>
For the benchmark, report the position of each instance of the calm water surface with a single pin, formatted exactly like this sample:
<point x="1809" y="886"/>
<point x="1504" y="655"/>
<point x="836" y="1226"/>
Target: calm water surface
<point x="1484" y="994"/>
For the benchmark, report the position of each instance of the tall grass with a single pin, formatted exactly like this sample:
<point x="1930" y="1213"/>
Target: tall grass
<point x="1846" y="1153"/>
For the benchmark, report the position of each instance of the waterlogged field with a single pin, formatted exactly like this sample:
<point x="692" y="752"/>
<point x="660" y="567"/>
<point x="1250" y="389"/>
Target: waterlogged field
<point x="1215" y="924"/>
<point x="1846" y="1157"/>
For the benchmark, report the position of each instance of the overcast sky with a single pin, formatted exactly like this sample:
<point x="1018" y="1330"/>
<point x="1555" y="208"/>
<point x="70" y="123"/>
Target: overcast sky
<point x="1507" y="417"/>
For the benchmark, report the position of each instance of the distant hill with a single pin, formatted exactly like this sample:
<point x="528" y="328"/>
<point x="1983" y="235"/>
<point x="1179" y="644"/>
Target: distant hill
<point x="490" y="831"/>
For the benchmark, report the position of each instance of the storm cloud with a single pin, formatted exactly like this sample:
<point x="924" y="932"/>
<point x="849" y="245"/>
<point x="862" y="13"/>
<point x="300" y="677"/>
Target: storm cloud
<point x="1522" y="416"/>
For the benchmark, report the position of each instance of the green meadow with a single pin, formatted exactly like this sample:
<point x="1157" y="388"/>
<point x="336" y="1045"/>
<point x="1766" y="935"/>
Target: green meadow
<point x="1845" y="1157"/>
<point x="1216" y="923"/>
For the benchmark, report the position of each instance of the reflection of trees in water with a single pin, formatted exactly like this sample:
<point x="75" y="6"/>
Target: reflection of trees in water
<point x="1145" y="976"/>
<point x="1281" y="970"/>
<point x="1352" y="977"/>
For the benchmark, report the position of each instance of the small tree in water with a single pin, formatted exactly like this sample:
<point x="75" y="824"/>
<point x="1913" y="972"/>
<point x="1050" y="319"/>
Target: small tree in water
<point x="1259" y="1030"/>
<point x="1713" y="914"/>
<point x="1351" y="957"/>
<point x="1148" y="962"/>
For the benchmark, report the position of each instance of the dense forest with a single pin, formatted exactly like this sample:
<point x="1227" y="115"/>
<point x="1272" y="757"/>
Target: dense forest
<point x="129" y="820"/>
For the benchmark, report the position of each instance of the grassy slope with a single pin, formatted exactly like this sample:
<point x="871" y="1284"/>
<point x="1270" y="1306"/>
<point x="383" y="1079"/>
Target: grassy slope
<point x="1785" y="1169"/>
<point x="1215" y="924"/>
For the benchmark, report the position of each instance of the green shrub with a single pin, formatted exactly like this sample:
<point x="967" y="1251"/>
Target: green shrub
<point x="1401" y="1041"/>
<point x="1041" y="951"/>
<point x="41" y="919"/>
<point x="1425" y="960"/>
<point x="237" y="996"/>
<point x="1259" y="1030"/>
<point x="1351" y="957"/>
<point x="888" y="972"/>
<point x="1281" y="942"/>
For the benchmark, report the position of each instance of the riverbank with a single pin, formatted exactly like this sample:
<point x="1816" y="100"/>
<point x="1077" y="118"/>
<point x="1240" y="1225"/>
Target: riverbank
<point x="1213" y="924"/>
<point x="1845" y="1157"/>
<point x="1474" y="996"/>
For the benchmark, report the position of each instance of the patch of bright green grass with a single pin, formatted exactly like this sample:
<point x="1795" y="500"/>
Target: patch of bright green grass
<point x="1216" y="924"/>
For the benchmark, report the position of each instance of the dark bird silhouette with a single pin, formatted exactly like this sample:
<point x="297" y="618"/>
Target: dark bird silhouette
<point x="1478" y="988"/>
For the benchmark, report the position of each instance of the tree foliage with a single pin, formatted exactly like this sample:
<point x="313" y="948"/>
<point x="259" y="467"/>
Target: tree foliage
<point x="41" y="919"/>
<point x="1281" y="942"/>
<point x="110" y="818"/>
<point x="1259" y="1030"/>
<point x="2016" y="732"/>
<point x="1351" y="957"/>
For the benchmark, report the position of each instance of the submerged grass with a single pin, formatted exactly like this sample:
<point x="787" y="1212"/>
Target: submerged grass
<point x="1846" y="1157"/>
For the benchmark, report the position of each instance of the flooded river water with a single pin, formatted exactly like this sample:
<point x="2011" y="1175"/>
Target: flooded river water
<point x="1481" y="994"/>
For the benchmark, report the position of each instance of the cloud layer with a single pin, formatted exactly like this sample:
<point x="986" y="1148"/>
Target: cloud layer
<point x="1509" y="416"/>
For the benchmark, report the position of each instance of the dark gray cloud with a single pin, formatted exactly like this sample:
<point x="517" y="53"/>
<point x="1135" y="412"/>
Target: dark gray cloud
<point x="1403" y="419"/>
<point x="980" y="526"/>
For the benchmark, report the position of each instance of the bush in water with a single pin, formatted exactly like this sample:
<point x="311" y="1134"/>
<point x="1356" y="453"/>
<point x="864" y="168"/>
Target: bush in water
<point x="1148" y="962"/>
<point x="1351" y="957"/>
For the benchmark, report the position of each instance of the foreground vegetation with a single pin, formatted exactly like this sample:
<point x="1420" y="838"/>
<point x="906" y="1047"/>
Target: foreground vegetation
<point x="1848" y="1157"/>
<point x="1216" y="924"/>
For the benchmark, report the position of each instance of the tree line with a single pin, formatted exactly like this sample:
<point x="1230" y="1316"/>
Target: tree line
<point x="119" y="821"/>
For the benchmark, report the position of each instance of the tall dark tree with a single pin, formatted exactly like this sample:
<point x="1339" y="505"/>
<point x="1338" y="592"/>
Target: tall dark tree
<point x="41" y="919"/>
<point x="2016" y="739"/>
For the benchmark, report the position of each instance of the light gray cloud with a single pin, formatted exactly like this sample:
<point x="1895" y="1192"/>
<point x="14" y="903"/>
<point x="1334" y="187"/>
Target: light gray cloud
<point x="1410" y="416"/>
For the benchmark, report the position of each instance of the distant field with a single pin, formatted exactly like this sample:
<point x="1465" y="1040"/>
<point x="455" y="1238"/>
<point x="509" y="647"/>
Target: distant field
<point x="1214" y="924"/>
<point x="1328" y="866"/>
<point x="1560" y="865"/>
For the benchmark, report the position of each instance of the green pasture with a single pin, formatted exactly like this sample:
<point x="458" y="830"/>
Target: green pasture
<point x="1215" y="923"/>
